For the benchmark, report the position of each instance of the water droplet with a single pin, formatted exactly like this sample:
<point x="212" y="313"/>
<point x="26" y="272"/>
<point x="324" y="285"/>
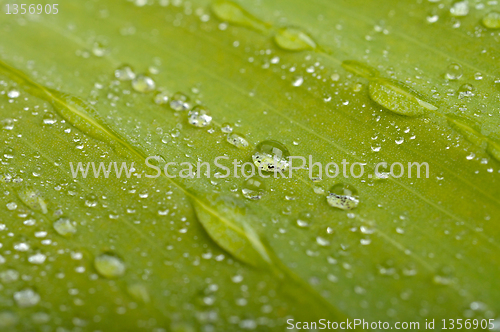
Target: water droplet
<point x="322" y="241"/>
<point x="343" y="196"/>
<point x="399" y="140"/>
<point x="465" y="90"/>
<point x="38" y="258"/>
<point x="26" y="298"/>
<point x="109" y="266"/>
<point x="99" y="49"/>
<point x="180" y="102"/>
<point x="125" y="73"/>
<point x="454" y="71"/>
<point x="65" y="227"/>
<point x="161" y="98"/>
<point x="11" y="206"/>
<point x="233" y="13"/>
<point x="33" y="199"/>
<point x="13" y="94"/>
<point x="139" y="292"/>
<point x="237" y="140"/>
<point x="226" y="128"/>
<point x="397" y="97"/>
<point x="271" y="156"/>
<point x="294" y="39"/>
<point x="199" y="117"/>
<point x="8" y="319"/>
<point x="359" y="68"/>
<point x="298" y="81"/>
<point x="143" y="83"/>
<point x="491" y="20"/>
<point x="253" y="188"/>
<point x="459" y="8"/>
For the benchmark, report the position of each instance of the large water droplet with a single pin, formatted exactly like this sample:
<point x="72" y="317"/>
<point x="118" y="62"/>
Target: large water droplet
<point x="465" y="90"/>
<point x="199" y="117"/>
<point x="109" y="266"/>
<point x="253" y="188"/>
<point x="180" y="102"/>
<point x="237" y="140"/>
<point x="270" y="156"/>
<point x="65" y="227"/>
<point x="143" y="83"/>
<point x="13" y="93"/>
<point x="491" y="20"/>
<point x="294" y="39"/>
<point x="397" y="97"/>
<point x="343" y="196"/>
<point x="233" y="13"/>
<point x="454" y="71"/>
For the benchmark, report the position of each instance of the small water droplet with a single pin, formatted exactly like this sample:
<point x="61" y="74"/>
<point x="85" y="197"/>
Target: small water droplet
<point x="253" y="188"/>
<point x="270" y="156"/>
<point x="199" y="117"/>
<point x="322" y="241"/>
<point x="400" y="140"/>
<point x="459" y="8"/>
<point x="13" y="94"/>
<point x="26" y="298"/>
<point x="454" y="71"/>
<point x="294" y="39"/>
<point x="99" y="49"/>
<point x="143" y="83"/>
<point x="109" y="266"/>
<point x="492" y="20"/>
<point x="125" y="73"/>
<point x="237" y="140"/>
<point x="161" y="98"/>
<point x="180" y="102"/>
<point x="226" y="128"/>
<point x="298" y="81"/>
<point x="65" y="227"/>
<point x="343" y="196"/>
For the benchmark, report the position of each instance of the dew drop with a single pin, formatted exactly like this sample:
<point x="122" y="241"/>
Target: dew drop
<point x="253" y="188"/>
<point x="294" y="39"/>
<point x="99" y="49"/>
<point x="13" y="94"/>
<point x="233" y="13"/>
<point x="125" y="73"/>
<point x="237" y="140"/>
<point x="138" y="292"/>
<point x="33" y="199"/>
<point x="465" y="90"/>
<point x="65" y="227"/>
<point x="143" y="83"/>
<point x="226" y="128"/>
<point x="459" y="8"/>
<point x="271" y="156"/>
<point x="454" y="71"/>
<point x="298" y="81"/>
<point x="26" y="298"/>
<point x="322" y="241"/>
<point x="109" y="266"/>
<point x="491" y="20"/>
<point x="161" y="98"/>
<point x="180" y="102"/>
<point x="199" y="117"/>
<point x="343" y="196"/>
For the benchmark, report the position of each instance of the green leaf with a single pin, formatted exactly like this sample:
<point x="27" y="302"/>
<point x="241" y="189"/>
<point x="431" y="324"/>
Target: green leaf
<point x="188" y="82"/>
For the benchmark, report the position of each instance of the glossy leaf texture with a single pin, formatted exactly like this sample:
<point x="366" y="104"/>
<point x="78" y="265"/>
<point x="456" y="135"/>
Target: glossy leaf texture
<point x="190" y="81"/>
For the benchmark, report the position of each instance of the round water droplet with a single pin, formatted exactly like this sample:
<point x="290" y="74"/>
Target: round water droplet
<point x="270" y="156"/>
<point x="237" y="140"/>
<point x="99" y="49"/>
<point x="294" y="39"/>
<point x="466" y="90"/>
<point x="491" y="20"/>
<point x="26" y="298"/>
<point x="343" y="196"/>
<point x="125" y="73"/>
<point x="109" y="266"/>
<point x="226" y="128"/>
<point x="199" y="117"/>
<point x="180" y="102"/>
<point x="253" y="188"/>
<point x="65" y="227"/>
<point x="460" y="8"/>
<point x="13" y="94"/>
<point x="161" y="98"/>
<point x="143" y="83"/>
<point x="454" y="71"/>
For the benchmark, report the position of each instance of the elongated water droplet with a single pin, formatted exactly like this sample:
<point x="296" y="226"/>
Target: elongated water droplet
<point x="454" y="72"/>
<point x="237" y="140"/>
<point x="180" y="102"/>
<point x="253" y="188"/>
<point x="26" y="298"/>
<point x="491" y="20"/>
<point x="139" y="292"/>
<point x="13" y="94"/>
<point x="468" y="128"/>
<point x="343" y="196"/>
<point x="143" y="83"/>
<point x="270" y="156"/>
<point x="109" y="266"/>
<point x="360" y="68"/>
<point x="65" y="227"/>
<point x="460" y="8"/>
<point x="233" y="13"/>
<point x="125" y="73"/>
<point x="397" y="97"/>
<point x="294" y="39"/>
<point x="33" y="199"/>
<point x="199" y="117"/>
